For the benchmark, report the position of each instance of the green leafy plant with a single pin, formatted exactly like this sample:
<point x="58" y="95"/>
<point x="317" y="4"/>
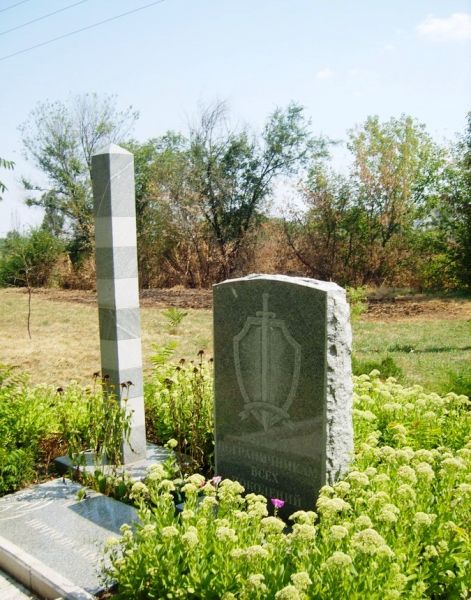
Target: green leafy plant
<point x="460" y="382"/>
<point x="162" y="353"/>
<point x="16" y="469"/>
<point x="110" y="484"/>
<point x="98" y="424"/>
<point x="40" y="423"/>
<point x="358" y="299"/>
<point x="387" y="366"/>
<point x="179" y="405"/>
<point x="10" y="376"/>
<point x="174" y="318"/>
<point x="395" y="527"/>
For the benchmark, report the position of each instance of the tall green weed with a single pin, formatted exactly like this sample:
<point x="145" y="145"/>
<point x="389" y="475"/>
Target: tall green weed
<point x="358" y="300"/>
<point x="39" y="423"/>
<point x="179" y="405"/>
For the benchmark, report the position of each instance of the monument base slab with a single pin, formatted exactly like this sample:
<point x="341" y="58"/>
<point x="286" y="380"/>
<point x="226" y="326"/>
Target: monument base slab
<point x="49" y="537"/>
<point x="136" y="470"/>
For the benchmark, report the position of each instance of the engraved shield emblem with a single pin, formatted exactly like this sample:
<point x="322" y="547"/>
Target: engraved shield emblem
<point x="267" y="362"/>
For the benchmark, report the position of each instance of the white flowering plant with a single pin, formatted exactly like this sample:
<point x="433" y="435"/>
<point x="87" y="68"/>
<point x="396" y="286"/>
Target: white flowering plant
<point x="396" y="526"/>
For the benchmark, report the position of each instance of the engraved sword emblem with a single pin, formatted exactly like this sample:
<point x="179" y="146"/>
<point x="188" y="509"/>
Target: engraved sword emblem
<point x="267" y="362"/>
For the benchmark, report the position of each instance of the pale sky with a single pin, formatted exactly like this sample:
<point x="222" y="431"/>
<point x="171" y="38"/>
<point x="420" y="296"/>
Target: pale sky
<point x="340" y="59"/>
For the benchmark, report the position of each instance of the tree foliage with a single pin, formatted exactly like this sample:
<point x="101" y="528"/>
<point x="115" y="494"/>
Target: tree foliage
<point x="170" y="241"/>
<point x="29" y="259"/>
<point x="200" y="197"/>
<point x="362" y="228"/>
<point x="323" y="237"/>
<point x="400" y="216"/>
<point x="60" y="138"/>
<point x="233" y="172"/>
<point x="453" y="213"/>
<point x="5" y="164"/>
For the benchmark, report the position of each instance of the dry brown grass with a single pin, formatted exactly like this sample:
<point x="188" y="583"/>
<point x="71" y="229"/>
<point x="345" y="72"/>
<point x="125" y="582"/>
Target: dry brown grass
<point x="428" y="339"/>
<point x="65" y="339"/>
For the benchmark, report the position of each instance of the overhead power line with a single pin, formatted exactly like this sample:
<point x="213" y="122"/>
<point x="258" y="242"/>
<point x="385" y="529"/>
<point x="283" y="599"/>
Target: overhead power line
<point x="42" y="17"/>
<point x="97" y="24"/>
<point x="13" y="5"/>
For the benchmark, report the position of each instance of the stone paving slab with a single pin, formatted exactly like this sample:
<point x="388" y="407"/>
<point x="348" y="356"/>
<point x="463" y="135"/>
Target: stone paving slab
<point x="10" y="589"/>
<point x="136" y="470"/>
<point x="48" y="523"/>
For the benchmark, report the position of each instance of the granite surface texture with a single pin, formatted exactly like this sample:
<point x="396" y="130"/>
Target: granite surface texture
<point x="10" y="589"/>
<point x="118" y="290"/>
<point x="67" y="535"/>
<point x="283" y="389"/>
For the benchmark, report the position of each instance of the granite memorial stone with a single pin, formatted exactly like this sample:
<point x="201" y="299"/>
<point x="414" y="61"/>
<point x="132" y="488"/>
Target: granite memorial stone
<point x="48" y="523"/>
<point x="117" y="288"/>
<point x="283" y="385"/>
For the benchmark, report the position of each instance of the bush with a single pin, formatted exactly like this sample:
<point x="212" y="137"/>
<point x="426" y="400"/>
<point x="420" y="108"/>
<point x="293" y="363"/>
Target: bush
<point x="460" y="382"/>
<point x="16" y="469"/>
<point x="358" y="300"/>
<point x="39" y="423"/>
<point x="29" y="260"/>
<point x="394" y="527"/>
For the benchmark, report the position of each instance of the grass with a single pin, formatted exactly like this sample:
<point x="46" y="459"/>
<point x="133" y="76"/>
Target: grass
<point x="65" y="344"/>
<point x="433" y="353"/>
<point x="65" y="340"/>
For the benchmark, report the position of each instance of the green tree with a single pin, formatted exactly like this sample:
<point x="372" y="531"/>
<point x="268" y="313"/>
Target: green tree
<point x="462" y="206"/>
<point x="201" y="197"/>
<point x="370" y="226"/>
<point x="5" y="164"/>
<point x="396" y="169"/>
<point x="28" y="259"/>
<point x="326" y="235"/>
<point x="454" y="210"/>
<point x="170" y="242"/>
<point x="60" y="138"/>
<point x="233" y="173"/>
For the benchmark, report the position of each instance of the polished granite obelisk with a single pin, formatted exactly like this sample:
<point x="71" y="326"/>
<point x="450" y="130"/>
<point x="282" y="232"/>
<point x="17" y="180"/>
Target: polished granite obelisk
<point x="118" y="290"/>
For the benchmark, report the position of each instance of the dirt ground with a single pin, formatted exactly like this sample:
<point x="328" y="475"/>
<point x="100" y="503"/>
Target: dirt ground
<point x="418" y="307"/>
<point x="161" y="298"/>
<point x="400" y="308"/>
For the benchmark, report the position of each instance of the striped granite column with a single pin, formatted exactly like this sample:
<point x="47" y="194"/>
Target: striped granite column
<point x="117" y="288"/>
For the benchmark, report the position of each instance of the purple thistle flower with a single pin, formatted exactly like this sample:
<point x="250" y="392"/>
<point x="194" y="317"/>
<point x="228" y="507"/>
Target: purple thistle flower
<point x="277" y="503"/>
